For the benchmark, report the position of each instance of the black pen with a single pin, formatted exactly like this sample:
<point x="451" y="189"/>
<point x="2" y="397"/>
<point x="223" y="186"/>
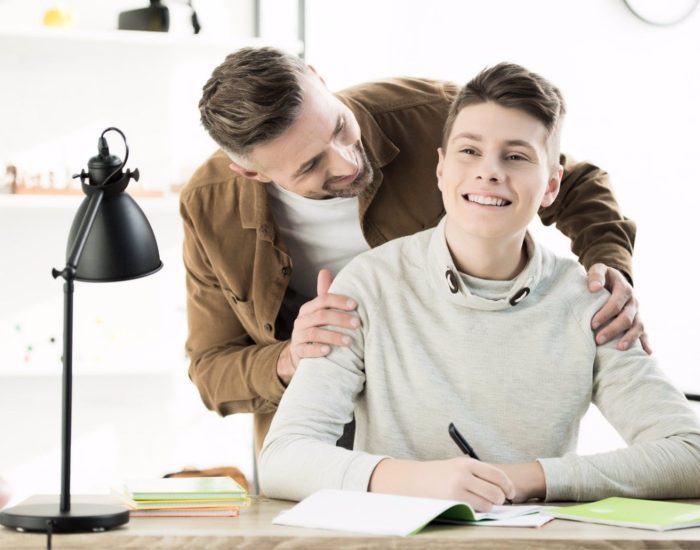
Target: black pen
<point x="458" y="438"/>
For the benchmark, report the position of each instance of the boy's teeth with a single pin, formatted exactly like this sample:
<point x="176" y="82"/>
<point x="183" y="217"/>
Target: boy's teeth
<point x="488" y="201"/>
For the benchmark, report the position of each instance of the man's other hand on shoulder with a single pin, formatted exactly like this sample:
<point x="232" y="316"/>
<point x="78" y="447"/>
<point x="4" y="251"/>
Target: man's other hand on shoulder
<point x="308" y="338"/>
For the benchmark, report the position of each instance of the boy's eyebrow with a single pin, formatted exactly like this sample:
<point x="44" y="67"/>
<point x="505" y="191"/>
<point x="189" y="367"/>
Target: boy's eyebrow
<point x="510" y="142"/>
<point x="468" y="135"/>
<point x="304" y="167"/>
<point x="521" y="143"/>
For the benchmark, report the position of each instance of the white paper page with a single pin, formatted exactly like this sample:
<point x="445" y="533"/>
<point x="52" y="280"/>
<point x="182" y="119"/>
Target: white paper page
<point x="374" y="513"/>
<point x="530" y="520"/>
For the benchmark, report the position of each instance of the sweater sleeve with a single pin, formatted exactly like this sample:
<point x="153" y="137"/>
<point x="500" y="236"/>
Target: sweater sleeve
<point x="662" y="432"/>
<point x="299" y="455"/>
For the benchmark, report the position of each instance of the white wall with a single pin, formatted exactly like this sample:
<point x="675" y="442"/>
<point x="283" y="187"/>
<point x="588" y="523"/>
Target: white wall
<point x="632" y="92"/>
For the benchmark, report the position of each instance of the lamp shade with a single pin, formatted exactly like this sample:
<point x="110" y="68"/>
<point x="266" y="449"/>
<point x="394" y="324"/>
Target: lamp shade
<point x="121" y="244"/>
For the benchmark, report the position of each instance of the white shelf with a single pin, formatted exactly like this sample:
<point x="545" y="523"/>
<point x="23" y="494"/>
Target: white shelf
<point x="167" y="203"/>
<point x="138" y="38"/>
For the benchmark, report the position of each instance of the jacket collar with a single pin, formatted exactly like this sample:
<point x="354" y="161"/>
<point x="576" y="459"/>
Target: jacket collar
<point x="448" y="283"/>
<point x="254" y="210"/>
<point x="380" y="149"/>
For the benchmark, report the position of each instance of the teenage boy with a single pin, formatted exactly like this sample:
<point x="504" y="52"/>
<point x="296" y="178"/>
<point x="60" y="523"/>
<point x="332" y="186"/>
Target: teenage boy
<point x="474" y="323"/>
<point x="305" y="180"/>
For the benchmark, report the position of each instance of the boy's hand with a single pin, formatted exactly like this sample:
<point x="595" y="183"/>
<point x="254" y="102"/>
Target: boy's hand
<point x="620" y="313"/>
<point x="528" y="479"/>
<point x="478" y="483"/>
<point x="308" y="340"/>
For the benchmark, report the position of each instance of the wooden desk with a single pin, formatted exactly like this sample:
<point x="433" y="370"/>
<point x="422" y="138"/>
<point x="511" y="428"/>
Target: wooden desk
<point x="254" y="529"/>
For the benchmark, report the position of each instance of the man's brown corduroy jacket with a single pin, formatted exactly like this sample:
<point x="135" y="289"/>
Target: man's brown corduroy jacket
<point x="238" y="268"/>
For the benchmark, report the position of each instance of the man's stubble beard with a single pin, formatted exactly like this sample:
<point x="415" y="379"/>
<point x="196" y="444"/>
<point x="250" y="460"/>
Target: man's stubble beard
<point x="361" y="182"/>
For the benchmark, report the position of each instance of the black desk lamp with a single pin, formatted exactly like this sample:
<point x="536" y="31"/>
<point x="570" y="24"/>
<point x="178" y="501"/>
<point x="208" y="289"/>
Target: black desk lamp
<point x="110" y="240"/>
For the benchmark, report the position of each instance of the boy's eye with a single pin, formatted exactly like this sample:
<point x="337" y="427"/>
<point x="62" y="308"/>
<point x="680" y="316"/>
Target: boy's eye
<point x="468" y="151"/>
<point x="516" y="156"/>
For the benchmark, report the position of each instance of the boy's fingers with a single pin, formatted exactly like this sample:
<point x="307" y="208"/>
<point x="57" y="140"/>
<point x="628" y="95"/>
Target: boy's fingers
<point x="490" y="492"/>
<point x="494" y="476"/>
<point x="478" y="503"/>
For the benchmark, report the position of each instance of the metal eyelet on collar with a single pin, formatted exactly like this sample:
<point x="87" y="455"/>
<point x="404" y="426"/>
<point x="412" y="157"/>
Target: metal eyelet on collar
<point x="519" y="296"/>
<point x="451" y="281"/>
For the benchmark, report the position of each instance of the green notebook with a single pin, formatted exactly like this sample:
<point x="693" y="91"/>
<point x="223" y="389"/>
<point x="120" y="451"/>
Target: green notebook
<point x="629" y="512"/>
<point x="184" y="488"/>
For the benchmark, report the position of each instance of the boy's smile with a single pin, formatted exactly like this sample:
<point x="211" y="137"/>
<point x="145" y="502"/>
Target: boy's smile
<point x="487" y="200"/>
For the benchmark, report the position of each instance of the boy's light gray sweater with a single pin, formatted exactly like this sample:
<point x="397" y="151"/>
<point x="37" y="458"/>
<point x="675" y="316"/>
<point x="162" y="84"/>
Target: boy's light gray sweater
<point x="515" y="379"/>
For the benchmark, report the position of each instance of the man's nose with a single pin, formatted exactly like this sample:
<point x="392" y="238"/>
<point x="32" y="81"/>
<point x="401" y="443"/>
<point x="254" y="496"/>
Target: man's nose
<point x="342" y="161"/>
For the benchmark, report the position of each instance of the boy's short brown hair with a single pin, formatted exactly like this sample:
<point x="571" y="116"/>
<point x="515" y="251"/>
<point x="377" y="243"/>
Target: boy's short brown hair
<point x="251" y="98"/>
<point x="510" y="85"/>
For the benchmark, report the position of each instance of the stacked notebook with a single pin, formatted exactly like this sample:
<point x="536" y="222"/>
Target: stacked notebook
<point x="185" y="496"/>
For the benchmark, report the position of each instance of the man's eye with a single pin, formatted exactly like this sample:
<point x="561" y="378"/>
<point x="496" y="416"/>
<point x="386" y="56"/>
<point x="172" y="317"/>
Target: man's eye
<point x="309" y="168"/>
<point x="468" y="151"/>
<point x="515" y="156"/>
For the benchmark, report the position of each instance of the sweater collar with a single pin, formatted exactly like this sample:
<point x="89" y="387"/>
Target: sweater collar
<point x="446" y="278"/>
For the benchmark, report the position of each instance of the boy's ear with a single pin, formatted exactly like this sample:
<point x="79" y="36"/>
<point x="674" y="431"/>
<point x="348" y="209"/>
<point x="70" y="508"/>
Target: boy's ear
<point x="246" y="173"/>
<point x="553" y="184"/>
<point x="438" y="170"/>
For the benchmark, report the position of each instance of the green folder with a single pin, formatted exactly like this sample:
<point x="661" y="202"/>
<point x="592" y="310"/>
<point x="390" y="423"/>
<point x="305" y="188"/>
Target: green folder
<point x="629" y="512"/>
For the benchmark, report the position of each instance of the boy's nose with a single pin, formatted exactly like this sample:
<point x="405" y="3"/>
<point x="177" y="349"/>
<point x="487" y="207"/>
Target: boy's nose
<point x="490" y="169"/>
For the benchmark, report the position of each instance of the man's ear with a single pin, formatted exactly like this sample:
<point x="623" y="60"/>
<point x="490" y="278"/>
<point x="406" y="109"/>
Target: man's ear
<point x="246" y="173"/>
<point x="553" y="186"/>
<point x="438" y="170"/>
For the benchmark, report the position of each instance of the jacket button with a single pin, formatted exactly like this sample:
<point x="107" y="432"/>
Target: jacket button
<point x="286" y="270"/>
<point x="268" y="327"/>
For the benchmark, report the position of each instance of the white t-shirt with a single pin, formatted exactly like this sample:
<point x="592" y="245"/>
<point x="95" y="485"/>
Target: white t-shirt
<point x="318" y="233"/>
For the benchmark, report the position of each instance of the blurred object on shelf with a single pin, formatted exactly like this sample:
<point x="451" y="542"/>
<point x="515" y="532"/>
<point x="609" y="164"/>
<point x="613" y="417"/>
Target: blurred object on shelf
<point x="54" y="182"/>
<point x="9" y="183"/>
<point x="59" y="16"/>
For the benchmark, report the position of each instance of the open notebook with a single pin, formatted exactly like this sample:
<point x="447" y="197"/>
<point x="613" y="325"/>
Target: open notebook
<point x="397" y="515"/>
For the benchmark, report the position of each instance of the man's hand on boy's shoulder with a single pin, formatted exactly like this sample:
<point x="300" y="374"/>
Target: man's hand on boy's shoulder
<point x="309" y="339"/>
<point x="619" y="317"/>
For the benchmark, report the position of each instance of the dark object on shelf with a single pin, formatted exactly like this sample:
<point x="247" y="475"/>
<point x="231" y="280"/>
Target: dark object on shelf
<point x="155" y="17"/>
<point x="110" y="240"/>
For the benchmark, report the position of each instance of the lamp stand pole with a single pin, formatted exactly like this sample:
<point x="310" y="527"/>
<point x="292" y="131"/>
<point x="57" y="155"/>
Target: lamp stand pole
<point x="62" y="516"/>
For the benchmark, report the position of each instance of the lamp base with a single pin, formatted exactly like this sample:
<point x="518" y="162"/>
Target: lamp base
<point x="81" y="517"/>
